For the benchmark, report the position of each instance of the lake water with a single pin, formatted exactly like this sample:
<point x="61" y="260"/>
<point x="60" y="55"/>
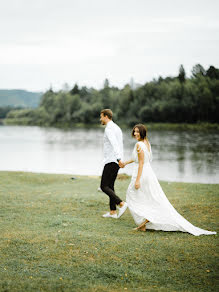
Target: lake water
<point x="177" y="155"/>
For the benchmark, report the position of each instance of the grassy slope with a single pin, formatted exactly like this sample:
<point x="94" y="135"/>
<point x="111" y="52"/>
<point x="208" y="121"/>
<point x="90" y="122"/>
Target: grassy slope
<point x="53" y="238"/>
<point x="17" y="97"/>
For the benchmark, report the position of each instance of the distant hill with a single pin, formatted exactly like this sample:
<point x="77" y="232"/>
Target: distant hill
<point x="19" y="98"/>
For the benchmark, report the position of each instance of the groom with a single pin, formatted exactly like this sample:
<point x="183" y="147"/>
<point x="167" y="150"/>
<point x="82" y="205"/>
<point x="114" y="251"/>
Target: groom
<point x="113" y="153"/>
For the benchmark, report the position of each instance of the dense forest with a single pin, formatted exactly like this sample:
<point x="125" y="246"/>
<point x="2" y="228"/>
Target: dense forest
<point x="173" y="99"/>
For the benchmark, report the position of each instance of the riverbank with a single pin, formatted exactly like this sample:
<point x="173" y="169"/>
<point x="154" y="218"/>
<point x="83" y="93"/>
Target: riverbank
<point x="150" y="126"/>
<point x="53" y="238"/>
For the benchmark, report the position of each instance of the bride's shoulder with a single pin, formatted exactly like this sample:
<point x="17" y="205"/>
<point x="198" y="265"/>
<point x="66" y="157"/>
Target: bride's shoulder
<point x="139" y="146"/>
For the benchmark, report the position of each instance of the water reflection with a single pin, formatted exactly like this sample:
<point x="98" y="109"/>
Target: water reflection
<point x="177" y="155"/>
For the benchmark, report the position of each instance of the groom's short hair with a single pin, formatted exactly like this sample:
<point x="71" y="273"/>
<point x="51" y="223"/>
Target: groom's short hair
<point x="107" y="112"/>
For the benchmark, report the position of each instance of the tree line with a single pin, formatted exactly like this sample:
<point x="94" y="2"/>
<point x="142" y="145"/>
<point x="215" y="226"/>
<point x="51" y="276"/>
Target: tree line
<point x="178" y="99"/>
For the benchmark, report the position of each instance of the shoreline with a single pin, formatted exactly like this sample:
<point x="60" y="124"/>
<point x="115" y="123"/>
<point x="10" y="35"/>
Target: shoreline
<point x="151" y="126"/>
<point x="120" y="177"/>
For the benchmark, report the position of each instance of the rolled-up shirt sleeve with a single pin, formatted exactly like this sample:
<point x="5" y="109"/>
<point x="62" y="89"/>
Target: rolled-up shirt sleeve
<point x="112" y="138"/>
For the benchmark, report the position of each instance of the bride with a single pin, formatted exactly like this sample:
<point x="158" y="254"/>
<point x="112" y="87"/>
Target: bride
<point x="146" y="200"/>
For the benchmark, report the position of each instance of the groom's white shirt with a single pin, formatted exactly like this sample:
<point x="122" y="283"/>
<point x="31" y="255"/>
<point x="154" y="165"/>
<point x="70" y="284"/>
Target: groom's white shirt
<point x="112" y="143"/>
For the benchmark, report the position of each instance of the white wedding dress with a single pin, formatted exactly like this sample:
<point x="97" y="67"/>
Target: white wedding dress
<point x="149" y="201"/>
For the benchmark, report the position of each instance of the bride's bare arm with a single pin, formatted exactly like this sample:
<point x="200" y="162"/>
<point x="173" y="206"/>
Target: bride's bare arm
<point x="128" y="162"/>
<point x="123" y="164"/>
<point x="140" y="166"/>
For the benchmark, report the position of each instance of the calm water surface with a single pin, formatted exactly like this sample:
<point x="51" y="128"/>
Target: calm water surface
<point x="177" y="155"/>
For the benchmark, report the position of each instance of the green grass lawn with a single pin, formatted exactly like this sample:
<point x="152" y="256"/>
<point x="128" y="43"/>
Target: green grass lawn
<point x="53" y="238"/>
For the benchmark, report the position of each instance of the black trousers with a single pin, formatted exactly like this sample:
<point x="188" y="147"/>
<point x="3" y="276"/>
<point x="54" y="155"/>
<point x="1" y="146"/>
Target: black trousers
<point x="108" y="178"/>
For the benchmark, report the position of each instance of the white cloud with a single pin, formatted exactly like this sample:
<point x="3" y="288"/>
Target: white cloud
<point x="87" y="41"/>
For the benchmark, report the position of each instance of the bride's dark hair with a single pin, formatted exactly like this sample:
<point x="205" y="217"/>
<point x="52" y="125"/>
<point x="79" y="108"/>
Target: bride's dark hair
<point x="142" y="131"/>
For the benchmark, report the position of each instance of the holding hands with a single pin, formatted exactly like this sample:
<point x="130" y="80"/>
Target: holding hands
<point x="121" y="164"/>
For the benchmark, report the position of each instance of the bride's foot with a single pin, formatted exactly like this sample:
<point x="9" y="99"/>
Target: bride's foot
<point x="142" y="226"/>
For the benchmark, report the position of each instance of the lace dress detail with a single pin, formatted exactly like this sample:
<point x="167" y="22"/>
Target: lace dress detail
<point x="149" y="201"/>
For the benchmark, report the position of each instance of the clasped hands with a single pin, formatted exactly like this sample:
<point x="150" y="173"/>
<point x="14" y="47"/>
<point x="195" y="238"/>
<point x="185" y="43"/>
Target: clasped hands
<point x="121" y="164"/>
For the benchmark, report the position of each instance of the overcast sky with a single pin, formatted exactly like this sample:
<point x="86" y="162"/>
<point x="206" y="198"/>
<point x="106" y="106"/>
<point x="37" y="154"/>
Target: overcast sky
<point x="50" y="42"/>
